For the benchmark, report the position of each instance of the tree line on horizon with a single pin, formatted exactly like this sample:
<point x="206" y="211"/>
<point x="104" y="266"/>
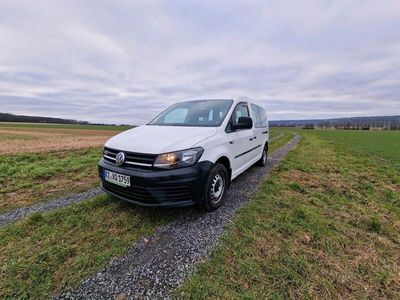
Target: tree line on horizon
<point x="7" y="117"/>
<point x="355" y="126"/>
<point x="354" y="123"/>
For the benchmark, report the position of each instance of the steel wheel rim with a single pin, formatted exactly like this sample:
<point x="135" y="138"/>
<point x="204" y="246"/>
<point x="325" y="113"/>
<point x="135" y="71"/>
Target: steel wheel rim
<point x="217" y="188"/>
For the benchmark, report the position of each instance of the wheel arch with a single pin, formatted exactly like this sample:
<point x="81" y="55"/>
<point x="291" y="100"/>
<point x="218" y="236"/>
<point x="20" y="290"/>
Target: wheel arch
<point x="224" y="160"/>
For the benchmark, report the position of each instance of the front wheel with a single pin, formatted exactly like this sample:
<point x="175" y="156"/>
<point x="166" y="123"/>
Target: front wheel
<point x="215" y="187"/>
<point x="263" y="159"/>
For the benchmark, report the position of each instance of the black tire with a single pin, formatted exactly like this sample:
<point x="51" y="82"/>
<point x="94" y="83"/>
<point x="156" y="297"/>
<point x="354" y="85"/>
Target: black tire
<point x="217" y="179"/>
<point x="263" y="159"/>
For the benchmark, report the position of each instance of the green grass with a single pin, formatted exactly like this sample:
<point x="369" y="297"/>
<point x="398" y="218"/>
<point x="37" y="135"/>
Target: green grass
<point x="279" y="142"/>
<point x="380" y="144"/>
<point x="325" y="225"/>
<point x="50" y="252"/>
<point x="32" y="177"/>
<point x="64" y="126"/>
<point x="273" y="133"/>
<point x="47" y="253"/>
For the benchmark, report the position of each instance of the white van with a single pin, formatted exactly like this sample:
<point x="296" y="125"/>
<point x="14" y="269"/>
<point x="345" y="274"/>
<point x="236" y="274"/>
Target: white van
<point x="187" y="155"/>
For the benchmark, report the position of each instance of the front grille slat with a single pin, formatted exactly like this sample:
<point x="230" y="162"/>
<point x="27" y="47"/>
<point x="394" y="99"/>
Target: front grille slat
<point x="132" y="160"/>
<point x="140" y="158"/>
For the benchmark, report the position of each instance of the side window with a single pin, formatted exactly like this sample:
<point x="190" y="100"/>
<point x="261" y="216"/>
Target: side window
<point x="263" y="117"/>
<point x="256" y="113"/>
<point x="259" y="115"/>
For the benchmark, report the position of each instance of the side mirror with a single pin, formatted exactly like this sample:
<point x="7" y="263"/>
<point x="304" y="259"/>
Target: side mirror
<point x="243" y="123"/>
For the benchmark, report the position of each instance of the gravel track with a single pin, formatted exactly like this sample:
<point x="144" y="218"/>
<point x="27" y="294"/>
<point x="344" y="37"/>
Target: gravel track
<point x="156" y="265"/>
<point x="18" y="213"/>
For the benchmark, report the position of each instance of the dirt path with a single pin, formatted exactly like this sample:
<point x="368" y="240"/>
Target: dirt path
<point x="281" y="134"/>
<point x="155" y="266"/>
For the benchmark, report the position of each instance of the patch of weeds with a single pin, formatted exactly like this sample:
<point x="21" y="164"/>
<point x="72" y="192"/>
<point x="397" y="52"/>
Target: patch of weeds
<point x="374" y="225"/>
<point x="297" y="187"/>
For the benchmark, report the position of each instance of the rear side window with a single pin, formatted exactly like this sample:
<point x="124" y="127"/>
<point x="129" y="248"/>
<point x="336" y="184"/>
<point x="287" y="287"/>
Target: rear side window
<point x="263" y="117"/>
<point x="260" y="117"/>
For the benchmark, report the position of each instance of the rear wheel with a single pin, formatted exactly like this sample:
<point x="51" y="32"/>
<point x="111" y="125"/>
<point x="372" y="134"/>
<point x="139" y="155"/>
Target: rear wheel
<point x="215" y="187"/>
<point x="263" y="159"/>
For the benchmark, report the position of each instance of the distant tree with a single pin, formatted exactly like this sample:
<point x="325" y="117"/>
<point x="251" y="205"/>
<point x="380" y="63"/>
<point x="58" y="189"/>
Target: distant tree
<point x="394" y="125"/>
<point x="308" y="126"/>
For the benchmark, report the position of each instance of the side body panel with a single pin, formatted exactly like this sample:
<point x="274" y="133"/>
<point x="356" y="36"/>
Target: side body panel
<point x="243" y="148"/>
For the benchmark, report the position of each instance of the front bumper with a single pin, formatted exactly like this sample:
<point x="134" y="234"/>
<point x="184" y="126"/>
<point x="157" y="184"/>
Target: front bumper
<point x="172" y="188"/>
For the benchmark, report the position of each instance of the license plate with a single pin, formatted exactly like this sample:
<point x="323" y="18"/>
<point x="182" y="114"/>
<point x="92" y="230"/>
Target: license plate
<point x="116" y="178"/>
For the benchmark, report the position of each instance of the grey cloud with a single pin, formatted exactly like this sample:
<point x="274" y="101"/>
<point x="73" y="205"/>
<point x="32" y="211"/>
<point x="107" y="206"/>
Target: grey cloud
<point x="124" y="62"/>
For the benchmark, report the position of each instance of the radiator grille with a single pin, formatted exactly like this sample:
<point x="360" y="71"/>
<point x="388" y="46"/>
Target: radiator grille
<point x="132" y="159"/>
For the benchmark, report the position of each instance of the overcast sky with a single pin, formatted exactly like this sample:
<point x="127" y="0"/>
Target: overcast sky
<point x="125" y="61"/>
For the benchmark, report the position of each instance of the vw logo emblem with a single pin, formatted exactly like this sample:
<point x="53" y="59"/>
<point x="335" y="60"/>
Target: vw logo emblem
<point x="120" y="158"/>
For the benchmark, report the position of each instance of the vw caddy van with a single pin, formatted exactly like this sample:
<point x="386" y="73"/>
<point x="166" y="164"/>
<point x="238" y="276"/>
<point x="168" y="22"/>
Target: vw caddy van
<point x="187" y="155"/>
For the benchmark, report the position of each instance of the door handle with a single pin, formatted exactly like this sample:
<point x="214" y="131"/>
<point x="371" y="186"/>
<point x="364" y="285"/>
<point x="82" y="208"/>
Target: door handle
<point x="231" y="142"/>
<point x="252" y="138"/>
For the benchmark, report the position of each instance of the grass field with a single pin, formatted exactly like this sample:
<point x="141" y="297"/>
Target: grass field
<point x="379" y="144"/>
<point x="40" y="162"/>
<point x="49" y="252"/>
<point x="16" y="140"/>
<point x="29" y="178"/>
<point x="325" y="225"/>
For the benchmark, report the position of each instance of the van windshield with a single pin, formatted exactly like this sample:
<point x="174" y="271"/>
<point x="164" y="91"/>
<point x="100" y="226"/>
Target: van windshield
<point x="199" y="113"/>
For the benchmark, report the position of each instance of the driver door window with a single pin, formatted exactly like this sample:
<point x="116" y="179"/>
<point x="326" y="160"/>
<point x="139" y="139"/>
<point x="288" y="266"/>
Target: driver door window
<point x="240" y="111"/>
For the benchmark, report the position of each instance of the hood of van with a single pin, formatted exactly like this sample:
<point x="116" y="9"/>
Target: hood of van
<point x="154" y="139"/>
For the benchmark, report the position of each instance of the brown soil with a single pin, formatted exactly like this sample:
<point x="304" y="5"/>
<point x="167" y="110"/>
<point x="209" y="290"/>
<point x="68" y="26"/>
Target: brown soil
<point x="45" y="140"/>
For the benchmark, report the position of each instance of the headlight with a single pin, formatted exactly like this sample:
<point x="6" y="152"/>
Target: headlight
<point x="178" y="159"/>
